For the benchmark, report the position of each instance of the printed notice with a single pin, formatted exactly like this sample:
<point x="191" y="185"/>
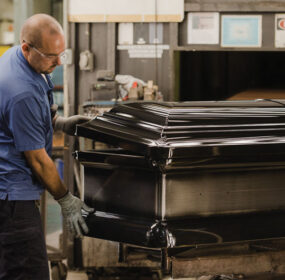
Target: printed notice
<point x="144" y="51"/>
<point x="241" y="31"/>
<point x="203" y="28"/>
<point x="126" y="33"/>
<point x="280" y="30"/>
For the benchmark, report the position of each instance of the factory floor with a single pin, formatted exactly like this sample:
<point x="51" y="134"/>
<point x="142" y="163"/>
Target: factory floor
<point x="77" y="275"/>
<point x="54" y="229"/>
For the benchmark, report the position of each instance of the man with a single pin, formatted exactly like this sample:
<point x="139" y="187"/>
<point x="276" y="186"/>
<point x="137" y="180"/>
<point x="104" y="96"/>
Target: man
<point x="26" y="168"/>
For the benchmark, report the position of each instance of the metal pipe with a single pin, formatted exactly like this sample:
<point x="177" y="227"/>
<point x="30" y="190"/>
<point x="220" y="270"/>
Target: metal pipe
<point x="65" y="82"/>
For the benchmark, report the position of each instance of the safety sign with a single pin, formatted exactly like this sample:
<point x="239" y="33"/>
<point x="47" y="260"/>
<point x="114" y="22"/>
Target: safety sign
<point x="280" y="30"/>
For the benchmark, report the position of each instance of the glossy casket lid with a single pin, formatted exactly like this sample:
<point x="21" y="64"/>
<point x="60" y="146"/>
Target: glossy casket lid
<point x="198" y="130"/>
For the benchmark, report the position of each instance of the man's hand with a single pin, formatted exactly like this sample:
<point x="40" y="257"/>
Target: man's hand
<point x="71" y="210"/>
<point x="68" y="125"/>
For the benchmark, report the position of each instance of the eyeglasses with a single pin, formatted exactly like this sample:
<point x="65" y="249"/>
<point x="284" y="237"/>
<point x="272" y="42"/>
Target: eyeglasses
<point x="61" y="56"/>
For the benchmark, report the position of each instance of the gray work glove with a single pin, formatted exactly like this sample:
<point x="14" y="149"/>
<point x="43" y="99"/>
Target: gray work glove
<point x="68" y="125"/>
<point x="71" y="210"/>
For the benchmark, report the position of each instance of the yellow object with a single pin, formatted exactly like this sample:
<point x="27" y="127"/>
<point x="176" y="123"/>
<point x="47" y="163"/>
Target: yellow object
<point x="3" y="49"/>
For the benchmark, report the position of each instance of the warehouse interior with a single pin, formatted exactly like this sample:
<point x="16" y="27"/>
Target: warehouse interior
<point x="182" y="158"/>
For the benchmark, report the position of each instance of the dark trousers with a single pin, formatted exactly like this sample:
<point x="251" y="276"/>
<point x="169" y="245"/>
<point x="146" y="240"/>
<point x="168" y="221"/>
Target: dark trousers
<point x="22" y="246"/>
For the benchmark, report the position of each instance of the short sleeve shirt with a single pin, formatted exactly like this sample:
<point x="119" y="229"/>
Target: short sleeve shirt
<point x="25" y="124"/>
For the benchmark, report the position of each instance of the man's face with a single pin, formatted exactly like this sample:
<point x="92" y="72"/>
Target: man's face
<point x="44" y="59"/>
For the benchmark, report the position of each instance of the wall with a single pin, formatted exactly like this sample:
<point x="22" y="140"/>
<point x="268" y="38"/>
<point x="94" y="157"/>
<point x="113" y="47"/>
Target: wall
<point x="6" y="10"/>
<point x="24" y="9"/>
<point x="103" y="44"/>
<point x="165" y="70"/>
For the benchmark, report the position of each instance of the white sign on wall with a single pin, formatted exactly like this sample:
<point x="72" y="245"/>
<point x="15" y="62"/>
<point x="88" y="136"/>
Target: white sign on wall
<point x="203" y="28"/>
<point x="280" y="30"/>
<point x="126" y="33"/>
<point x="241" y="31"/>
<point x="125" y="10"/>
<point x="155" y="33"/>
<point x="144" y="51"/>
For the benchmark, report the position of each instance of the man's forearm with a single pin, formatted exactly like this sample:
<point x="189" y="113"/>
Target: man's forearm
<point x="45" y="170"/>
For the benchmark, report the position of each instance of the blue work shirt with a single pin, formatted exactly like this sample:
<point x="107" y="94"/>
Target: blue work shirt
<point x="25" y="124"/>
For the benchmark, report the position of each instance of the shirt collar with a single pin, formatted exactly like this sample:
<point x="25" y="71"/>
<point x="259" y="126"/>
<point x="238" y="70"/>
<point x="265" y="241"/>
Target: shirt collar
<point x="47" y="86"/>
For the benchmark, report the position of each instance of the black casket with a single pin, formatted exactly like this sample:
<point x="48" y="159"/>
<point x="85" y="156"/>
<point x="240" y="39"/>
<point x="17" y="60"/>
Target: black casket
<point x="186" y="173"/>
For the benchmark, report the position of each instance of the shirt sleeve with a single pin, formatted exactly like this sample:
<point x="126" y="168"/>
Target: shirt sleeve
<point x="27" y="125"/>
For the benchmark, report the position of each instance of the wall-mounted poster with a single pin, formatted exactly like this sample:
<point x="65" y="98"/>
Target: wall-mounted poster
<point x="280" y="30"/>
<point x="203" y="28"/>
<point x="126" y="33"/>
<point x="241" y="31"/>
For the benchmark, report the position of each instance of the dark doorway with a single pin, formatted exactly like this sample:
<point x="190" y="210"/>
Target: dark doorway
<point x="217" y="75"/>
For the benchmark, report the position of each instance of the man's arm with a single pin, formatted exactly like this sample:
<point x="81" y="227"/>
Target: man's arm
<point x="68" y="125"/>
<point x="71" y="206"/>
<point x="45" y="170"/>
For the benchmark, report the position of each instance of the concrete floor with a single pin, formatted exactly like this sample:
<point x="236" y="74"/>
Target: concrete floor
<point x="76" y="275"/>
<point x="82" y="276"/>
<point x="54" y="229"/>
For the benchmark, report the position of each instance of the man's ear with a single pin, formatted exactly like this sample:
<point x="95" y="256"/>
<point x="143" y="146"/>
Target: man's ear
<point x="25" y="47"/>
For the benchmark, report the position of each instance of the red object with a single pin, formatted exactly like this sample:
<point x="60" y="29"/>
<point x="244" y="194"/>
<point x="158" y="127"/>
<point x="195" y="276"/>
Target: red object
<point x="281" y="23"/>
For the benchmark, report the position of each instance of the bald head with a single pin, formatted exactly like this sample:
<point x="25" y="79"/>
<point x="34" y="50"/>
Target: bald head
<point x="35" y="26"/>
<point x="42" y="42"/>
